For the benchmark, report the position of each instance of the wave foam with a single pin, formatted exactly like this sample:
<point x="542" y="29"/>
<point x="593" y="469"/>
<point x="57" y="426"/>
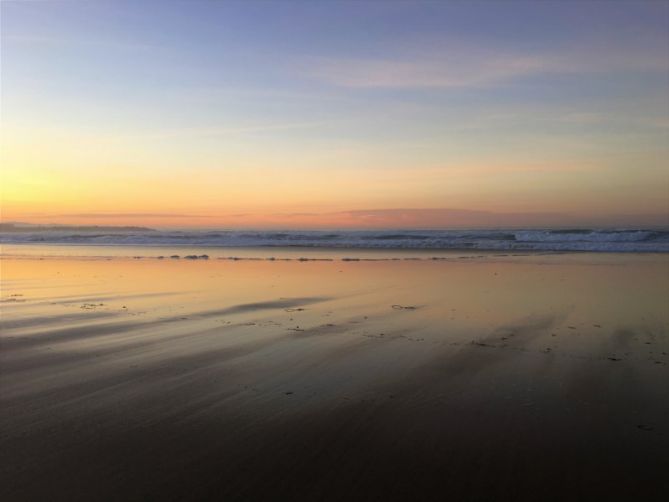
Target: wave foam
<point x="632" y="240"/>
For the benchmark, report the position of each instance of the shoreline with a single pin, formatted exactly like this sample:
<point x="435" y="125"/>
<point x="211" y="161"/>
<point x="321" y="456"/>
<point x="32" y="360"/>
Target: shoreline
<point x="282" y="253"/>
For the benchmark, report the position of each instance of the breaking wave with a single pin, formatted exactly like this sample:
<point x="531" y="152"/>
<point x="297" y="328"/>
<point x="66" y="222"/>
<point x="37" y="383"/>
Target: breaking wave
<point x="631" y="240"/>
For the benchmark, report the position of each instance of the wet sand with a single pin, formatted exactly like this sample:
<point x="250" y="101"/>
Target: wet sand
<point x="488" y="378"/>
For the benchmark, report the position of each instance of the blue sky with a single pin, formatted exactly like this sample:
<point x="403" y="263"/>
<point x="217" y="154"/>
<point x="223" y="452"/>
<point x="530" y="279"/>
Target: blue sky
<point x="553" y="101"/>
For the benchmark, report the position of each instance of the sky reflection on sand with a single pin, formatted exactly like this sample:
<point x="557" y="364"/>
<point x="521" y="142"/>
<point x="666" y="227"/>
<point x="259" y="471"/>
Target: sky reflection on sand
<point x="217" y="355"/>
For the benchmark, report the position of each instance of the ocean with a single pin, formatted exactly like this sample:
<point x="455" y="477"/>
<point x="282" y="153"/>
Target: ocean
<point x="563" y="240"/>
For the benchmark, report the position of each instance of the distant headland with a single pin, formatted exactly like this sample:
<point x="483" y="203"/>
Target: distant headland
<point x="28" y="227"/>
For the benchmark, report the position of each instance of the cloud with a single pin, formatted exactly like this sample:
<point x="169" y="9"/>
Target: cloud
<point x="385" y="218"/>
<point x="454" y="66"/>
<point x="418" y="218"/>
<point x="444" y="72"/>
<point x="212" y="132"/>
<point x="128" y="215"/>
<point x="462" y="218"/>
<point x="446" y="217"/>
<point x="58" y="43"/>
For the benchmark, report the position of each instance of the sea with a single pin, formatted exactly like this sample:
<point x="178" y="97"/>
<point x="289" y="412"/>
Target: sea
<point x="628" y="240"/>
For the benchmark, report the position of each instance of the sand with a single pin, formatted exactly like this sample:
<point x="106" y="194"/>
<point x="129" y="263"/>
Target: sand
<point x="489" y="378"/>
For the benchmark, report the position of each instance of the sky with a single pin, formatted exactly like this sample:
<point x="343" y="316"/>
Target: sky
<point x="335" y="114"/>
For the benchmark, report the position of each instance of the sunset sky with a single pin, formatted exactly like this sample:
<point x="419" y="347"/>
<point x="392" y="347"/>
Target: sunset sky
<point x="335" y="114"/>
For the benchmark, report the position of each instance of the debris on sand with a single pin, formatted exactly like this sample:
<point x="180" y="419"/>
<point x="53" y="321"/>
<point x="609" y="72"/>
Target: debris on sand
<point x="404" y="307"/>
<point x="289" y="392"/>
<point x="481" y="344"/>
<point x="175" y="257"/>
<point x="298" y="309"/>
<point x="412" y="339"/>
<point x="614" y="358"/>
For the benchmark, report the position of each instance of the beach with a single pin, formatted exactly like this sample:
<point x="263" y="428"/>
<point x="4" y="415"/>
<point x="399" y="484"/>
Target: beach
<point x="333" y="375"/>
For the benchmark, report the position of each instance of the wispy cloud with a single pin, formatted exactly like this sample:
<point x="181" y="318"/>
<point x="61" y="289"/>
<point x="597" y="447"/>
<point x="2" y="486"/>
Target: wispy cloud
<point x="461" y="218"/>
<point x="381" y="218"/>
<point x="454" y="67"/>
<point x="453" y="71"/>
<point x="127" y="215"/>
<point x="212" y="132"/>
<point x="444" y="217"/>
<point x="60" y="42"/>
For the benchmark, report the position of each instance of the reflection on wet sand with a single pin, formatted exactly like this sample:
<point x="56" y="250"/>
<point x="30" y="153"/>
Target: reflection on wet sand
<point x="532" y="378"/>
